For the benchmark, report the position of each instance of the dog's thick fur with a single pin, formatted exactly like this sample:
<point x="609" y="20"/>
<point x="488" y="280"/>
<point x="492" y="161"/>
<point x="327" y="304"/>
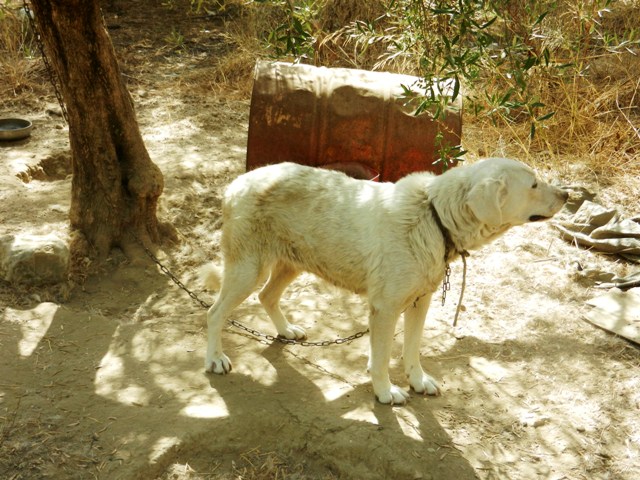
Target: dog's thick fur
<point x="381" y="240"/>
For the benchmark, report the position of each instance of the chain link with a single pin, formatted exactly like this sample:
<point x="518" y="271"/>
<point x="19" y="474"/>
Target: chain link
<point x="446" y="283"/>
<point x="53" y="78"/>
<point x="255" y="333"/>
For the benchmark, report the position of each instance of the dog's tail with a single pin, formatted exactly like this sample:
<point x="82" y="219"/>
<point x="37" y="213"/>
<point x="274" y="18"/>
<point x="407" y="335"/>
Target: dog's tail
<point x="210" y="276"/>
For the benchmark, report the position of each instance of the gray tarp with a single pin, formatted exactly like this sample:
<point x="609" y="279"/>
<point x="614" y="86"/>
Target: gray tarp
<point x="602" y="229"/>
<point x="617" y="312"/>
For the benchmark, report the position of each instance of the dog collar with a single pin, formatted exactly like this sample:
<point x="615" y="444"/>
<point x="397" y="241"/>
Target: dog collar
<point x="449" y="245"/>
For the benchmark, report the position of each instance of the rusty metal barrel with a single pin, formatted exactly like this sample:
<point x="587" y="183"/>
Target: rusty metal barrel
<point x="352" y="120"/>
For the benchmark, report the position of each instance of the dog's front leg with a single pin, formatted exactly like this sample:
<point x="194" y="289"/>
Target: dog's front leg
<point x="414" y="318"/>
<point x="382" y="324"/>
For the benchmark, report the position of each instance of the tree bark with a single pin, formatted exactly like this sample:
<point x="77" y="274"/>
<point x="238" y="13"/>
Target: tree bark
<point x="115" y="186"/>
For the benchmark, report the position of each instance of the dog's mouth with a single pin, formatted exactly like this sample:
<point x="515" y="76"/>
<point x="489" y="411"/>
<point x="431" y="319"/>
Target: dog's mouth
<point x="538" y="218"/>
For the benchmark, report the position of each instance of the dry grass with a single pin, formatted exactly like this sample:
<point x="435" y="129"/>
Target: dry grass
<point x="596" y="101"/>
<point x="21" y="73"/>
<point x="595" y="120"/>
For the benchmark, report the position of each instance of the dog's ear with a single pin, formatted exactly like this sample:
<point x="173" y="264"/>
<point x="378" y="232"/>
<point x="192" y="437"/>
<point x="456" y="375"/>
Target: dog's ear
<point x="486" y="200"/>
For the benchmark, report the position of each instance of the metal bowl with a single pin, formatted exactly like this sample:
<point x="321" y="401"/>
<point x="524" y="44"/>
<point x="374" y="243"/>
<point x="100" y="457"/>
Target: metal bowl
<point x="14" y="128"/>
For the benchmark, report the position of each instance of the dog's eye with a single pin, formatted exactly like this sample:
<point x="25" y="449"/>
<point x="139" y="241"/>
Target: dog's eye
<point x="535" y="185"/>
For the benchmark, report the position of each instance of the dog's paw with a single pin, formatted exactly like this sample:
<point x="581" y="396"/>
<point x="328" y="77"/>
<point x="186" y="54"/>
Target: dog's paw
<point x="425" y="384"/>
<point x="293" y="332"/>
<point x="221" y="365"/>
<point x="394" y="396"/>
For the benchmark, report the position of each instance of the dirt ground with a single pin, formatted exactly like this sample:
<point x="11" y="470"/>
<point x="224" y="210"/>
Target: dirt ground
<point x="107" y="380"/>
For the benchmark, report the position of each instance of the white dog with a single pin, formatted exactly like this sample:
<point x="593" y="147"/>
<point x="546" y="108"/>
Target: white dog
<point x="388" y="241"/>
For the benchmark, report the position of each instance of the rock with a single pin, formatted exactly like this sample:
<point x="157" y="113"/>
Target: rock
<point x="54" y="111"/>
<point x="531" y="419"/>
<point x="33" y="259"/>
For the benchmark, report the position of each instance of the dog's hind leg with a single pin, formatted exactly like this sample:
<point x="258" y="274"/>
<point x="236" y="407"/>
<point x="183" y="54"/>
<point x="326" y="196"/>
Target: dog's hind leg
<point x="282" y="274"/>
<point x="414" y="318"/>
<point x="382" y="324"/>
<point x="240" y="279"/>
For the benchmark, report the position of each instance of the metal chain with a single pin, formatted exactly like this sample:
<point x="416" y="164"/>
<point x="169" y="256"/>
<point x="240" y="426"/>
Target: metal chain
<point x="255" y="333"/>
<point x="446" y="283"/>
<point x="53" y="78"/>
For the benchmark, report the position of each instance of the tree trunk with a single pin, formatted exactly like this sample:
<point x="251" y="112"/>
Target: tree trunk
<point x="115" y="186"/>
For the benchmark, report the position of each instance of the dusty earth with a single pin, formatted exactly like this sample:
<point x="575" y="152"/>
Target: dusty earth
<point x="106" y="380"/>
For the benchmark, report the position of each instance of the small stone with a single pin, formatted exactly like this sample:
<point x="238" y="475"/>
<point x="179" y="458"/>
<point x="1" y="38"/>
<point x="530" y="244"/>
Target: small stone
<point x="54" y="111"/>
<point x="531" y="419"/>
<point x="58" y="208"/>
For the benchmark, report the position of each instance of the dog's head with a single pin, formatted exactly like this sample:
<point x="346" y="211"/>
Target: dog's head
<point x="505" y="193"/>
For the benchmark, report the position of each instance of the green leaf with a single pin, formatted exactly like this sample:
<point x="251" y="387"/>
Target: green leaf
<point x="488" y="24"/>
<point x="529" y="62"/>
<point x="456" y="88"/>
<point x="540" y="19"/>
<point x="546" y="116"/>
